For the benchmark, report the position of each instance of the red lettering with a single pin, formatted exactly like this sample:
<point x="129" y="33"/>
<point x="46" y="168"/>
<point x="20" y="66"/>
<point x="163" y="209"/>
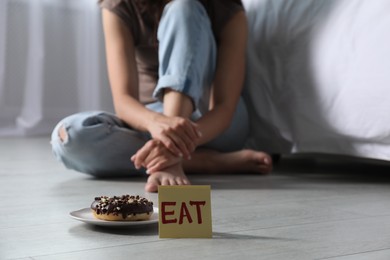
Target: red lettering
<point x="198" y="210"/>
<point x="184" y="213"/>
<point x="165" y="213"/>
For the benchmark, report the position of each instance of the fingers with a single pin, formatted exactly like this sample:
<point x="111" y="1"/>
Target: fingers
<point x="154" y="156"/>
<point x="164" y="159"/>
<point x="185" y="134"/>
<point x="140" y="157"/>
<point x="179" y="135"/>
<point x="183" y="143"/>
<point x="190" y="129"/>
<point x="173" y="144"/>
<point x="193" y="134"/>
<point x="156" y="165"/>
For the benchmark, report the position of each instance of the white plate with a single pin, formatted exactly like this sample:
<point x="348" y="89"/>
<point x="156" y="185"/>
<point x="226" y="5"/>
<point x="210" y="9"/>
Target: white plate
<point x="85" y="215"/>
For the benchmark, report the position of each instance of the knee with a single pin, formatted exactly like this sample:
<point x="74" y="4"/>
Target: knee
<point x="185" y="10"/>
<point x="61" y="139"/>
<point x="81" y="125"/>
<point x="59" y="135"/>
<point x="95" y="143"/>
<point x="70" y="137"/>
<point x="62" y="134"/>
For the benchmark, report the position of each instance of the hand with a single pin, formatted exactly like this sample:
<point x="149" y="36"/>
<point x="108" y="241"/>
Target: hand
<point x="154" y="156"/>
<point x="179" y="135"/>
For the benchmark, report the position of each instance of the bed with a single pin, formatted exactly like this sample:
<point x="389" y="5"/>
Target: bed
<point x="318" y="76"/>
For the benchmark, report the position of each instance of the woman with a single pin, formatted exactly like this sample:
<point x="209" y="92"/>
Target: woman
<point x="176" y="71"/>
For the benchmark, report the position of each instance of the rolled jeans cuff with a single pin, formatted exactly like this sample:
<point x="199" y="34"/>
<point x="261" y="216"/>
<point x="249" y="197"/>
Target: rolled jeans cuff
<point x="182" y="85"/>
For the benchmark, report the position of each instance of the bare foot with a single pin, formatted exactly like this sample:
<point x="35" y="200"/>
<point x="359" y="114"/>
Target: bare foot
<point x="173" y="175"/>
<point x="253" y="161"/>
<point x="211" y="161"/>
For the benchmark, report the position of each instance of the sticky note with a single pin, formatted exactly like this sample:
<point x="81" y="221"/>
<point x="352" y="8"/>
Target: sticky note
<point x="184" y="211"/>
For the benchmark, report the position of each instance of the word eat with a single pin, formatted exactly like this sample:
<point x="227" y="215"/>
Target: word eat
<point x="184" y="212"/>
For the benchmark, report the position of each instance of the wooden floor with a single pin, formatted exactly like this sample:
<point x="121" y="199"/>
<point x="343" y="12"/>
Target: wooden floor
<point x="309" y="208"/>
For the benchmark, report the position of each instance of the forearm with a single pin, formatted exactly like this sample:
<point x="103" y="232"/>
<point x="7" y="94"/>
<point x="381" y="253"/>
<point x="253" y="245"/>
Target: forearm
<point x="228" y="81"/>
<point x="214" y="122"/>
<point x="134" y="113"/>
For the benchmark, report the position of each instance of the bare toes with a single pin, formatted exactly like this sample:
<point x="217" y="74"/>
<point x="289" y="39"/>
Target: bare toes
<point x="182" y="181"/>
<point x="152" y="184"/>
<point x="165" y="182"/>
<point x="170" y="176"/>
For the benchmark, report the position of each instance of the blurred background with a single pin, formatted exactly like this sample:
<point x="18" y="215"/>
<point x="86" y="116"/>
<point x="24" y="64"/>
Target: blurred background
<point x="52" y="63"/>
<point x="317" y="72"/>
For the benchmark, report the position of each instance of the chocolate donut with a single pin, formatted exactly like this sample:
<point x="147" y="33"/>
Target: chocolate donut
<point x="122" y="208"/>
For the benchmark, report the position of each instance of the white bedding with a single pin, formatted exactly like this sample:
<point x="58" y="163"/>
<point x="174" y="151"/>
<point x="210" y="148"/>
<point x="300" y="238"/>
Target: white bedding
<point x="319" y="76"/>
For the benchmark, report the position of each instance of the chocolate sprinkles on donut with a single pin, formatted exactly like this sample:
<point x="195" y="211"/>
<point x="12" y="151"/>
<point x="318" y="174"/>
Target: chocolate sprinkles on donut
<point x="122" y="208"/>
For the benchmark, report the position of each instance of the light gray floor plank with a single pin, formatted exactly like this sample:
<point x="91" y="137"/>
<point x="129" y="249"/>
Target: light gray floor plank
<point x="374" y="255"/>
<point x="307" y="209"/>
<point x="311" y="241"/>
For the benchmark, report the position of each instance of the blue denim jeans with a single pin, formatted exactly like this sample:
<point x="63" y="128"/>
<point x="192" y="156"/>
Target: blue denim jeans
<point x="101" y="144"/>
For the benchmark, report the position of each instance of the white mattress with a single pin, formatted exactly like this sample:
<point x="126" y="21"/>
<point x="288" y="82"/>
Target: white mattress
<point x="319" y="76"/>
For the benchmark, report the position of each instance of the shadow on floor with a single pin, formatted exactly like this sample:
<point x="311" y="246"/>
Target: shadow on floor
<point x="220" y="235"/>
<point x="326" y="164"/>
<point x="144" y="230"/>
<point x="296" y="171"/>
<point x="291" y="172"/>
